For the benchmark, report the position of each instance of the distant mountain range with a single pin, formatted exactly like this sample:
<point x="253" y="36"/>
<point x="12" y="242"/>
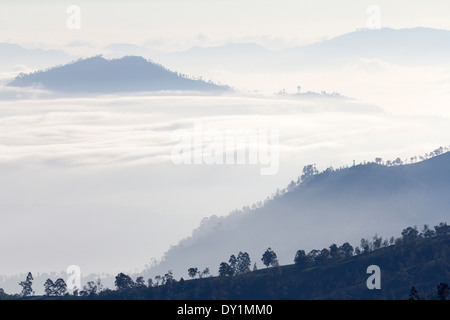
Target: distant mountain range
<point x="14" y="57"/>
<point x="423" y="46"/>
<point x="408" y="47"/>
<point x="415" y="46"/>
<point x="99" y="75"/>
<point x="403" y="46"/>
<point x="335" y="205"/>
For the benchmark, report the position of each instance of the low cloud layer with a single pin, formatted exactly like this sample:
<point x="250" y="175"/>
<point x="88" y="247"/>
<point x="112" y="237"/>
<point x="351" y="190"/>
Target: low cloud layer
<point x="91" y="182"/>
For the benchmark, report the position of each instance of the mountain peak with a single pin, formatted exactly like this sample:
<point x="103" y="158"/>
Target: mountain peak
<point x="99" y="75"/>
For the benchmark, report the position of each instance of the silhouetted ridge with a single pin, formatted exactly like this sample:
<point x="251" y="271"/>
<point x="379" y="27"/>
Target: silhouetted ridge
<point x="128" y="74"/>
<point x="334" y="205"/>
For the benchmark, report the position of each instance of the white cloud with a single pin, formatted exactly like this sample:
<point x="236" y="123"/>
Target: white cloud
<point x="103" y="166"/>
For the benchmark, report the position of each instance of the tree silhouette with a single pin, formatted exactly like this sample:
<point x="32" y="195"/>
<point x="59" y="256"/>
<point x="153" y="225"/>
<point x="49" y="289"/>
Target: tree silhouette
<point x="324" y="257"/>
<point x="60" y="287"/>
<point x="391" y="240"/>
<point x="192" y="272"/>
<point x="377" y="242"/>
<point x="301" y="260"/>
<point x="312" y="256"/>
<point x="27" y="290"/>
<point x="89" y="289"/>
<point x="334" y="252"/>
<point x="269" y="258"/>
<point x="140" y="282"/>
<point x="413" y="295"/>
<point x="169" y="277"/>
<point x="123" y="282"/>
<point x="243" y="263"/>
<point x="346" y="250"/>
<point x="158" y="279"/>
<point x="233" y="263"/>
<point x="205" y="272"/>
<point x="49" y="287"/>
<point x="225" y="270"/>
<point x="427" y="232"/>
<point x="3" y="295"/>
<point x="410" y="234"/>
<point x="308" y="171"/>
<point x="365" y="245"/>
<point x="442" y="230"/>
<point x="99" y="285"/>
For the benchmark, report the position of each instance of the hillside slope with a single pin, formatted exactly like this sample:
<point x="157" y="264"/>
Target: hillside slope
<point x="128" y="74"/>
<point x="330" y="207"/>
<point x="422" y="263"/>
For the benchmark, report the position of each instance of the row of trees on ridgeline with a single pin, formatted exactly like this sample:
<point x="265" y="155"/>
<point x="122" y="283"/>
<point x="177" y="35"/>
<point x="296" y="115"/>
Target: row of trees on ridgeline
<point x="240" y="265"/>
<point x="311" y="170"/>
<point x="334" y="253"/>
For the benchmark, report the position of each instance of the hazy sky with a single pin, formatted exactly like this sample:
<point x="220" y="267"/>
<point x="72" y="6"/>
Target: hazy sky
<point x="177" y="24"/>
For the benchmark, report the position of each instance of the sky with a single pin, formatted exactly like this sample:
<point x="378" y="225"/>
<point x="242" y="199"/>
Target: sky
<point x="178" y="25"/>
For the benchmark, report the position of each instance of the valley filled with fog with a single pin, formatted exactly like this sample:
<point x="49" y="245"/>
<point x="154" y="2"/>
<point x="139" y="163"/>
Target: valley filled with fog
<point x="91" y="181"/>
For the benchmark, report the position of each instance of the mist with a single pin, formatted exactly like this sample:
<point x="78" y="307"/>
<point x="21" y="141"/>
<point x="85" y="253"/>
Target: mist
<point x="92" y="183"/>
